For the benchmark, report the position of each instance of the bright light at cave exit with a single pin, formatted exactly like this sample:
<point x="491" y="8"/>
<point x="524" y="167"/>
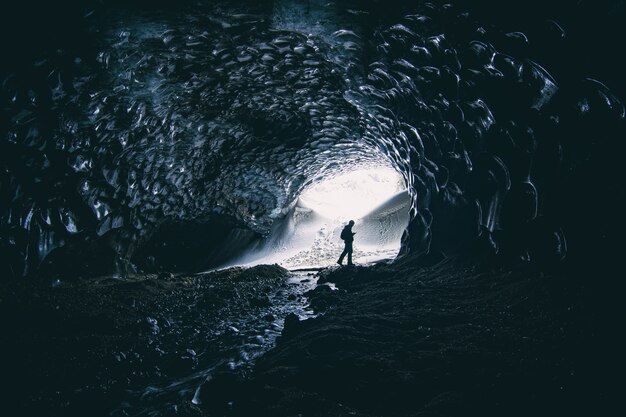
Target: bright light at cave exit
<point x="375" y="198"/>
<point x="354" y="194"/>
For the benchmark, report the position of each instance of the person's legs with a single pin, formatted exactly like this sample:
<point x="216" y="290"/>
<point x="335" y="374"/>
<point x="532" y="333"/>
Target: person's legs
<point x="343" y="254"/>
<point x="349" y="249"/>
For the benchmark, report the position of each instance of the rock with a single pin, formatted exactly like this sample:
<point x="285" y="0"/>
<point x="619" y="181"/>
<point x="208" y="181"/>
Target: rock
<point x="219" y="391"/>
<point x="262" y="301"/>
<point x="152" y="325"/>
<point x="291" y="325"/>
<point x="322" y="297"/>
<point x="166" y="275"/>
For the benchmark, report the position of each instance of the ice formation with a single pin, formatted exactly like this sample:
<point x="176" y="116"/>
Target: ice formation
<point x="215" y="121"/>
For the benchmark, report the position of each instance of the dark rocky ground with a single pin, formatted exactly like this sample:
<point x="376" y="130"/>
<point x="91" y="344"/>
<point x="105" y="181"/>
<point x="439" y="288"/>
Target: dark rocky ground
<point x="142" y="344"/>
<point x="391" y="340"/>
<point x="445" y="340"/>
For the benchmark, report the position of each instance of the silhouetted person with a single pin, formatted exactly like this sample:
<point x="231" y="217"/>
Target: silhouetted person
<point x="348" y="236"/>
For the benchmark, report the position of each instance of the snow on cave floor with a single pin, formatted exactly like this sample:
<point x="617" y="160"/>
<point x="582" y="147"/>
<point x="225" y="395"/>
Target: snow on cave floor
<point x="308" y="236"/>
<point x="310" y="239"/>
<point x="323" y="254"/>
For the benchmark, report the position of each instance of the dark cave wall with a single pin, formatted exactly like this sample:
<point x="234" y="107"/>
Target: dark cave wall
<point x="504" y="145"/>
<point x="194" y="245"/>
<point x="509" y="145"/>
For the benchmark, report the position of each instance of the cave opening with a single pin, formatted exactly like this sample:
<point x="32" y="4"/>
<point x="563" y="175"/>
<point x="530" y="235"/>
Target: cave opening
<point x="478" y="146"/>
<point x="373" y="195"/>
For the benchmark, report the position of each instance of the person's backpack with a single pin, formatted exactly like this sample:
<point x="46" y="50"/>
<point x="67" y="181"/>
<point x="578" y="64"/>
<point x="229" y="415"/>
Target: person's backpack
<point x="344" y="233"/>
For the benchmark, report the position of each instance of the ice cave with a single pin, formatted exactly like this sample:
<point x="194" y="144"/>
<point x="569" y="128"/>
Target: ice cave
<point x="176" y="176"/>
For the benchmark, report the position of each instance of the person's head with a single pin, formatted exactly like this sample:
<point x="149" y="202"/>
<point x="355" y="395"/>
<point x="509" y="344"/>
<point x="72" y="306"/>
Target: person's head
<point x="351" y="223"/>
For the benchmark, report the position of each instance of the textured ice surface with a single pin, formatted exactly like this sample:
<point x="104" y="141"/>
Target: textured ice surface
<point x="235" y="110"/>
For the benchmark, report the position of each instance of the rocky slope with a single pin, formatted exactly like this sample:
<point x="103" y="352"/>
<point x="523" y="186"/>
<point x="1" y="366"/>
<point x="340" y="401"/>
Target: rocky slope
<point x="445" y="340"/>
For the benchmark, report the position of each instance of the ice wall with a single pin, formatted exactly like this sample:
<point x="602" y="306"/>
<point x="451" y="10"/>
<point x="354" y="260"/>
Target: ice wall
<point x="169" y="116"/>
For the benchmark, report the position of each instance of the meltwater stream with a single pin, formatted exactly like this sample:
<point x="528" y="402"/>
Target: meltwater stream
<point x="226" y="322"/>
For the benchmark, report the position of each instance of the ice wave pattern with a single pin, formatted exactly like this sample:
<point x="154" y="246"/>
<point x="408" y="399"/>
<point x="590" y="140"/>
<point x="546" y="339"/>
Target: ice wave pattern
<point x="214" y="111"/>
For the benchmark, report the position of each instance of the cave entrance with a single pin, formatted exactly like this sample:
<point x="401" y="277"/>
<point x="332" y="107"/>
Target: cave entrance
<point x="308" y="236"/>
